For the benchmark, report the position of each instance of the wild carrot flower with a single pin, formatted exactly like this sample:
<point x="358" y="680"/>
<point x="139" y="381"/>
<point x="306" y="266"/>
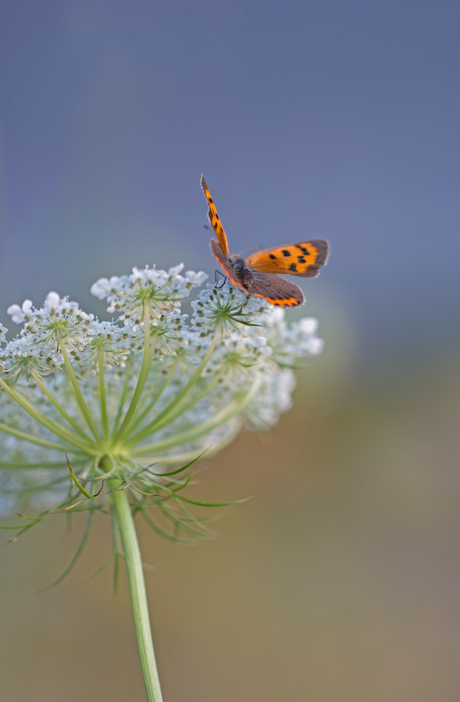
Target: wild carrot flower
<point x="92" y="412"/>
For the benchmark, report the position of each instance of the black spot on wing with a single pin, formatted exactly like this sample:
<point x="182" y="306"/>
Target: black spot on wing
<point x="285" y="252"/>
<point x="293" y="267"/>
<point x="272" y="256"/>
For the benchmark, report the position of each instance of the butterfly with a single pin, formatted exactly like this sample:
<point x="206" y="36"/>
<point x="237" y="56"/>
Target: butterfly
<point x="258" y="274"/>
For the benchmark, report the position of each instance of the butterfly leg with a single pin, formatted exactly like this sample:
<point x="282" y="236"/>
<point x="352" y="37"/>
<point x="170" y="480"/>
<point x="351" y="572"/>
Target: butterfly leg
<point x="216" y="279"/>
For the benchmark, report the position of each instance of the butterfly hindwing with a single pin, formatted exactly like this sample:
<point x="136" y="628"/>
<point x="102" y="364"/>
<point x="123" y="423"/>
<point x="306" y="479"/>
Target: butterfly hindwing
<point x="214" y="219"/>
<point x="303" y="259"/>
<point x="276" y="290"/>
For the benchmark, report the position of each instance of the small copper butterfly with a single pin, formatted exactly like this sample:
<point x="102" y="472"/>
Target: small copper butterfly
<point x="258" y="274"/>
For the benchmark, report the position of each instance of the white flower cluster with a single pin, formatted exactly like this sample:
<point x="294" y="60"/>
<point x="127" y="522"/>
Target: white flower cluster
<point x="162" y="290"/>
<point x="148" y="387"/>
<point x="3" y="331"/>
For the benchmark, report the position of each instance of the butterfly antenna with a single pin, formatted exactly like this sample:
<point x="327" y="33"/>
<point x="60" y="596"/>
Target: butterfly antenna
<point x="253" y="248"/>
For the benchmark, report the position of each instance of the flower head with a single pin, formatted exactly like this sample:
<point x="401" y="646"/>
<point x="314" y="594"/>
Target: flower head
<point x="159" y="290"/>
<point x="129" y="399"/>
<point x="58" y="321"/>
<point x="224" y="307"/>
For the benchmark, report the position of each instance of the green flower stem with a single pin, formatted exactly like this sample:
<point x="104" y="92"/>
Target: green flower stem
<point x="31" y="438"/>
<point x="143" y="375"/>
<point x="204" y="428"/>
<point x="189" y="455"/>
<point x="123" y="396"/>
<point x="59" y="407"/>
<point x="156" y="396"/>
<point x="184" y="407"/>
<point x="76" y="390"/>
<point x="137" y="590"/>
<point x="102" y="396"/>
<point x="49" y="424"/>
<point x="180" y="409"/>
<point x="45" y="464"/>
<point x="147" y="430"/>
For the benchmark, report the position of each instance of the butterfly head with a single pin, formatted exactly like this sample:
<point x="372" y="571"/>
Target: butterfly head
<point x="237" y="263"/>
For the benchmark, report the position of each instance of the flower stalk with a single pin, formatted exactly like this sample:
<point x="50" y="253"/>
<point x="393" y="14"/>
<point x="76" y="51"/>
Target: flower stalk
<point x="76" y="390"/>
<point x="138" y="595"/>
<point x="143" y="375"/>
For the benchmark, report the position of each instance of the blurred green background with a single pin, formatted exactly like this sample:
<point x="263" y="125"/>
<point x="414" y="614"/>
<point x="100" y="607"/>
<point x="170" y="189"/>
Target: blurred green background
<point x="339" y="580"/>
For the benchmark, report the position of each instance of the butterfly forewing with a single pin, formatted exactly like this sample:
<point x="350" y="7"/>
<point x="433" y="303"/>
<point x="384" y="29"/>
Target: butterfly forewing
<point x="303" y="259"/>
<point x="222" y="260"/>
<point x="214" y="219"/>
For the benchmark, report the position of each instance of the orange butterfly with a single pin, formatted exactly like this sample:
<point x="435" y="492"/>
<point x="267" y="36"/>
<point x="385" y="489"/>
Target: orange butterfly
<point x="258" y="274"/>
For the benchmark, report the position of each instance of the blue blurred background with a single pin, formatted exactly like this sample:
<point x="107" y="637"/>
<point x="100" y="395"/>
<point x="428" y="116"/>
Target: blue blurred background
<point x="312" y="119"/>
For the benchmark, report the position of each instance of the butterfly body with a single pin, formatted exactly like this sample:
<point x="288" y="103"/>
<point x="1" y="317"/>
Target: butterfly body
<point x="258" y="274"/>
<point x="234" y="266"/>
